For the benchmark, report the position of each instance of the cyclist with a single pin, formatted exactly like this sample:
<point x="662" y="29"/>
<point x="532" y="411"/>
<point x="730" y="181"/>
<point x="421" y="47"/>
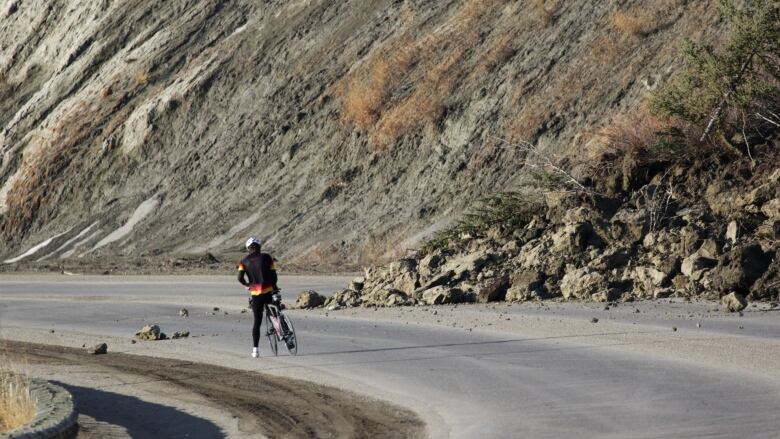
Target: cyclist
<point x="257" y="272"/>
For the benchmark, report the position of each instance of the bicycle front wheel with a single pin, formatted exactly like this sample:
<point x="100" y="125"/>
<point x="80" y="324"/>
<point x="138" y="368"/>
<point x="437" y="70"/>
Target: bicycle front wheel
<point x="289" y="337"/>
<point x="270" y="331"/>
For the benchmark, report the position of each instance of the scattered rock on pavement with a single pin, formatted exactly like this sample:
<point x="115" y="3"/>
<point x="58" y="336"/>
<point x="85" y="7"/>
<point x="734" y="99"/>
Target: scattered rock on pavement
<point x="310" y="299"/>
<point x="150" y="332"/>
<point x="98" y="349"/>
<point x="182" y="334"/>
<point x="734" y="302"/>
<point x="184" y="312"/>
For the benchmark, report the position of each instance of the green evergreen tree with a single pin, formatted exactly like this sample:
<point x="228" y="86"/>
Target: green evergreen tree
<point x="742" y="73"/>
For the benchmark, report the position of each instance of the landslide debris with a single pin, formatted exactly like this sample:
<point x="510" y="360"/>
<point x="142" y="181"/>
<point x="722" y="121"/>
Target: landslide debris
<point x="616" y="246"/>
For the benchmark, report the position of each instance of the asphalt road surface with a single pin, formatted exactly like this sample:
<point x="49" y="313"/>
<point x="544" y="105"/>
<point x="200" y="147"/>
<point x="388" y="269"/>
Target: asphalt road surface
<point x="468" y="384"/>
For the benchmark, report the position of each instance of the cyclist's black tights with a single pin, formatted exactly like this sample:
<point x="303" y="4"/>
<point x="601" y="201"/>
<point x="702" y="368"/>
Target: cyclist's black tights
<point x="258" y="303"/>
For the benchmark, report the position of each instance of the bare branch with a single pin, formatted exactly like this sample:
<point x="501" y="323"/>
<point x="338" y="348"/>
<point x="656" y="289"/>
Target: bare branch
<point x="775" y="123"/>
<point x="547" y="162"/>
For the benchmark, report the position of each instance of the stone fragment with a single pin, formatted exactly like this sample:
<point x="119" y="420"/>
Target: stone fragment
<point x="346" y="298"/>
<point x="469" y="264"/>
<point x="695" y="265"/>
<point x="495" y="290"/>
<point x="772" y="209"/>
<point x="582" y="283"/>
<point x="430" y="263"/>
<point x="732" y="232"/>
<point x="709" y="249"/>
<point x="151" y="333"/>
<point x="184" y="312"/>
<point x="526" y="285"/>
<point x="650" y="277"/>
<point x="610" y="295"/>
<point x="443" y="295"/>
<point x="357" y="283"/>
<point x="738" y="269"/>
<point x="98" y="349"/>
<point x="182" y="334"/>
<point x="663" y="293"/>
<point x="309" y="299"/>
<point x="734" y="302"/>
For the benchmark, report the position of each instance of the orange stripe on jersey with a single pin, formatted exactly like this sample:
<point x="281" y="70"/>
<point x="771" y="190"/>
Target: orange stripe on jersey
<point x="258" y="289"/>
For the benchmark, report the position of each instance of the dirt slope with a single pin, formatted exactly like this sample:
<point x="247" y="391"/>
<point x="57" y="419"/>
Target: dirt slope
<point x="340" y="131"/>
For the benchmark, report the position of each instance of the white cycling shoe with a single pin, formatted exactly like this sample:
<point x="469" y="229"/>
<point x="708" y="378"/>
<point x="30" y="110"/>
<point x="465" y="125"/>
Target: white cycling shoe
<point x="255" y="353"/>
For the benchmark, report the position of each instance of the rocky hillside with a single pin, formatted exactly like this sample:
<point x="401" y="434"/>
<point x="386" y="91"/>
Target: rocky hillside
<point x="340" y="131"/>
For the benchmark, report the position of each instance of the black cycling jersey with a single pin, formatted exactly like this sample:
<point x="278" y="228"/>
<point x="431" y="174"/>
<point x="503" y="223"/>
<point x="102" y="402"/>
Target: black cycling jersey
<point x="260" y="270"/>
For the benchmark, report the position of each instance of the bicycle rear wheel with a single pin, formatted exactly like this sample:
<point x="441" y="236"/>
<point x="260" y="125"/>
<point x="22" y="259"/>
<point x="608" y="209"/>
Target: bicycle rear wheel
<point x="270" y="331"/>
<point x="289" y="337"/>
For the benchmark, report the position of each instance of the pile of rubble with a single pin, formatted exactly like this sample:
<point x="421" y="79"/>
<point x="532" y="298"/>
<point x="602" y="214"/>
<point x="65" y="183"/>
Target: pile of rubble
<point x="716" y="241"/>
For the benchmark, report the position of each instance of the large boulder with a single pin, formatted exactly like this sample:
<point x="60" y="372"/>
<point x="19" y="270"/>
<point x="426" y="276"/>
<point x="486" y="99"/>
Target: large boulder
<point x="695" y="265"/>
<point x="738" y="269"/>
<point x="443" y="278"/>
<point x="734" y="302"/>
<point x="611" y="259"/>
<point x="650" y="277"/>
<point x="470" y="264"/>
<point x="768" y="286"/>
<point x="151" y="333"/>
<point x="574" y="237"/>
<point x="98" y="349"/>
<point x="582" y="283"/>
<point x="628" y="226"/>
<point x="526" y="285"/>
<point x="772" y="209"/>
<point x="346" y="298"/>
<point x="495" y="290"/>
<point x="444" y="295"/>
<point x="430" y="263"/>
<point x="403" y="276"/>
<point x="309" y="299"/>
<point x="386" y="297"/>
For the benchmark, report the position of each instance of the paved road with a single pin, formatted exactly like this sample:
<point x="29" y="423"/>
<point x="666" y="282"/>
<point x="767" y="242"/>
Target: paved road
<point x="480" y="384"/>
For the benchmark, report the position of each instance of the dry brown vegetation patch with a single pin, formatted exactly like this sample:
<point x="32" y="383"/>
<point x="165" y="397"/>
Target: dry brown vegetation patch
<point x="53" y="150"/>
<point x="17" y="406"/>
<point x="407" y="83"/>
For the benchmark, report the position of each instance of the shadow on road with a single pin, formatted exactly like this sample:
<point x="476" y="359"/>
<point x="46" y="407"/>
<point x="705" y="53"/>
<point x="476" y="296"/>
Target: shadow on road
<point x="140" y="418"/>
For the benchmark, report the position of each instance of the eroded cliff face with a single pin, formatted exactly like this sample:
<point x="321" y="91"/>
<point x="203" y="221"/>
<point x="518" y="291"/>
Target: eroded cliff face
<point x="338" y="130"/>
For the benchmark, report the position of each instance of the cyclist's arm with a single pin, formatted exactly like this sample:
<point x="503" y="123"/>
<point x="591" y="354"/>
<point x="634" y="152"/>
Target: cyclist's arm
<point x="273" y="274"/>
<point x="241" y="275"/>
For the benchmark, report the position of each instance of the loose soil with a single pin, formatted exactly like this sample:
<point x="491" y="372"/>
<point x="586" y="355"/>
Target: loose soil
<point x="264" y="404"/>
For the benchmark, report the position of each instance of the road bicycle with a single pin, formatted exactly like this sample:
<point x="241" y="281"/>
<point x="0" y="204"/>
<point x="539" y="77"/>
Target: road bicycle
<point x="279" y="327"/>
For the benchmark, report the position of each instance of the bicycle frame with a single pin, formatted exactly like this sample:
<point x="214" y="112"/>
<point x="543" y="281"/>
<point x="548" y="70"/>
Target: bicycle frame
<point x="275" y="315"/>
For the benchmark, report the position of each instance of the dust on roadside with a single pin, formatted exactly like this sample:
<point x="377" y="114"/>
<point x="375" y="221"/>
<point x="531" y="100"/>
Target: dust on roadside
<point x="264" y="404"/>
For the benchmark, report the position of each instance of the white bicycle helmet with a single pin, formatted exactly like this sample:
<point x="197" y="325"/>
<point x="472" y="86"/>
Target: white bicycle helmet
<point x="253" y="240"/>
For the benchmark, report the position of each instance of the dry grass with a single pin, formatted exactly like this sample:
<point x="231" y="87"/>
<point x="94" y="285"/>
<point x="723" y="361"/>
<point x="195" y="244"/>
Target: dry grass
<point x="54" y="151"/>
<point x="640" y="133"/>
<point x="86" y="123"/>
<point x="17" y="407"/>
<point x="629" y="133"/>
<point x="501" y="51"/>
<point x="636" y="22"/>
<point x="406" y="83"/>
